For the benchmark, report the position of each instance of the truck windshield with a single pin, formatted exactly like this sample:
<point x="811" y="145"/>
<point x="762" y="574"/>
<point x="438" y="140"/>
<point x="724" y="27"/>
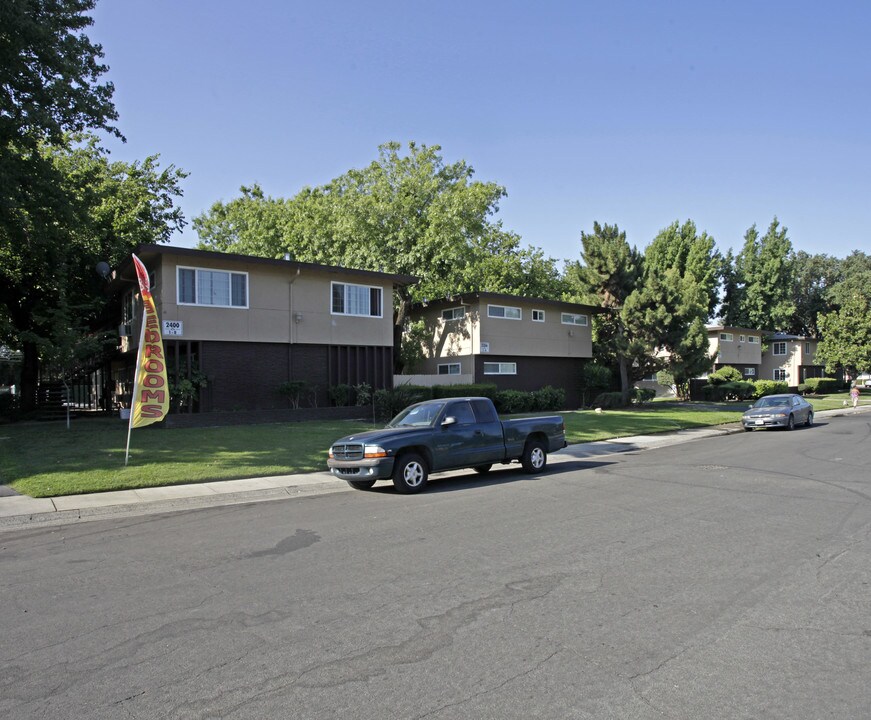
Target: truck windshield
<point x="417" y="416"/>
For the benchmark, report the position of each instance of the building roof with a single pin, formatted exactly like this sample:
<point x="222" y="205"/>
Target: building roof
<point x="467" y="298"/>
<point x="149" y="252"/>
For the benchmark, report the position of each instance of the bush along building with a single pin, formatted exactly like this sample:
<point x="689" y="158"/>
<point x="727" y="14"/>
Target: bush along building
<point x="244" y="333"/>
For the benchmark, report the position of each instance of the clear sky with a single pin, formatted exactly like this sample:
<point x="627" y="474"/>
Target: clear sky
<point x="726" y="112"/>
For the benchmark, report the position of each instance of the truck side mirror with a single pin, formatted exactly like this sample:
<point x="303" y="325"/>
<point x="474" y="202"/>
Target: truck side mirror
<point x="449" y="420"/>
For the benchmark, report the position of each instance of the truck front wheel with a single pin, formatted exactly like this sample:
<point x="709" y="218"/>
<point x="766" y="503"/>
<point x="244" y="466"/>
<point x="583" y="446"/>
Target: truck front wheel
<point x="410" y="473"/>
<point x="534" y="456"/>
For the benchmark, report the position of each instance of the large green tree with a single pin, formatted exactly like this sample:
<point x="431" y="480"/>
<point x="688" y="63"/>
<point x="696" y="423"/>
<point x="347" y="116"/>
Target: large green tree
<point x="759" y="290"/>
<point x="846" y="327"/>
<point x="408" y="212"/>
<point x="83" y="209"/>
<point x="607" y="275"/>
<point x="813" y="278"/>
<point x="677" y="296"/>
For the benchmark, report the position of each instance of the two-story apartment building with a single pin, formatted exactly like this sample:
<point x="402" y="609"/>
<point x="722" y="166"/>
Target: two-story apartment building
<point x="249" y="324"/>
<point x="790" y="358"/>
<point x="740" y="348"/>
<point x="513" y="342"/>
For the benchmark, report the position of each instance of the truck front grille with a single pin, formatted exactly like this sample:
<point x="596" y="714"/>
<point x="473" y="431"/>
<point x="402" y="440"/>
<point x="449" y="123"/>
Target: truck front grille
<point x="349" y="451"/>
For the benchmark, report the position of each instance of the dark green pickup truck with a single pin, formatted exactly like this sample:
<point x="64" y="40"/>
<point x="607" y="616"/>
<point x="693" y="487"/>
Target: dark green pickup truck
<point x="446" y="434"/>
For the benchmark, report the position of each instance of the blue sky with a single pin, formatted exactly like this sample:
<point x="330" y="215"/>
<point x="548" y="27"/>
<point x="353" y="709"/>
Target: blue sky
<point x="635" y="113"/>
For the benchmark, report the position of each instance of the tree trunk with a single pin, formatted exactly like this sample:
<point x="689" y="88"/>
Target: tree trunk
<point x="398" y="325"/>
<point x="624" y="379"/>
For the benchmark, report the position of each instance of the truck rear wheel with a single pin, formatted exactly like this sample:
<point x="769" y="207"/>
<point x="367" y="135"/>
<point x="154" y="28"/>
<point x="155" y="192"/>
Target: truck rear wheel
<point x="534" y="456"/>
<point x="410" y="473"/>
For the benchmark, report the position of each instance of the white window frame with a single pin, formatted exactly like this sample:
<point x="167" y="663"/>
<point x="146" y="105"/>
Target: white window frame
<point x="501" y="368"/>
<point x="749" y="372"/>
<point x="752" y="339"/>
<point x="538" y="316"/>
<point x="197" y="271"/>
<point x="578" y="319"/>
<point x="726" y="337"/>
<point x="779" y="375"/>
<point x="345" y="302"/>
<point x="807" y="348"/>
<point x="776" y="345"/>
<point x="453" y="313"/>
<point x="504" y="309"/>
<point x="741" y="338"/>
<point x="451" y="367"/>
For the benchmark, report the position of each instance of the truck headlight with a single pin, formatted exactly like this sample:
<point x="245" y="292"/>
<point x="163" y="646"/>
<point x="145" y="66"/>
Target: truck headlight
<point x="374" y="451"/>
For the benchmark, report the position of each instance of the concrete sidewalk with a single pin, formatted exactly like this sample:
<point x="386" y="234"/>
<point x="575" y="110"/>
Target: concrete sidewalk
<point x="17" y="511"/>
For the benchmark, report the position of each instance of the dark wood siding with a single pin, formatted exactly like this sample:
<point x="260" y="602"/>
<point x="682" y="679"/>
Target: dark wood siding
<point x="534" y="373"/>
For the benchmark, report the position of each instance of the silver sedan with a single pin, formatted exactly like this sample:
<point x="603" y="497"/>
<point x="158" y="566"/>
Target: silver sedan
<point x="784" y="411"/>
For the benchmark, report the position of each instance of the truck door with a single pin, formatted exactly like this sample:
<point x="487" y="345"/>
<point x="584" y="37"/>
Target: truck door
<point x="461" y="443"/>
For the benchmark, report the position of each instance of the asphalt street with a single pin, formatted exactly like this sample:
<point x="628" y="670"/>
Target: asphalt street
<point x="728" y="577"/>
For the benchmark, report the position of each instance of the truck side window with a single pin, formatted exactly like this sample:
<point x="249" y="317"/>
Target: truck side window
<point x="462" y="411"/>
<point x="484" y="411"/>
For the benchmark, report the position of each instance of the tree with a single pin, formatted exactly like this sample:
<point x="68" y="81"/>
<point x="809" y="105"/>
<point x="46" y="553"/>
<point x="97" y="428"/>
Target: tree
<point x="405" y="213"/>
<point x="846" y="328"/>
<point x="677" y="297"/>
<point x="846" y="332"/>
<point x="607" y="276"/>
<point x="78" y="210"/>
<point x="764" y="275"/>
<point x="813" y="277"/>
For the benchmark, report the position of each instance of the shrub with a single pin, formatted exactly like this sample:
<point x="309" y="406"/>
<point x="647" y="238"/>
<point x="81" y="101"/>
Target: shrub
<point x="548" y="398"/>
<point x="729" y="391"/>
<point x="822" y="385"/>
<point x="769" y="387"/>
<point x="726" y="374"/>
<point x="608" y="400"/>
<point x="476" y="390"/>
<point x="340" y="395"/>
<point x="643" y="395"/>
<point x="293" y="389"/>
<point x="363" y="394"/>
<point x="513" y="401"/>
<point x="803" y="389"/>
<point x="388" y="403"/>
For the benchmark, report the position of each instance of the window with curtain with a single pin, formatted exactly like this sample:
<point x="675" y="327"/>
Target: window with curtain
<point x="215" y="288"/>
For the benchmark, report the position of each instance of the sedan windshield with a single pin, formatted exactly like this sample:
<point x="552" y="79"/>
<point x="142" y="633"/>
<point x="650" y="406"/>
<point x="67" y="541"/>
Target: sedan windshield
<point x="417" y="416"/>
<point x="772" y="402"/>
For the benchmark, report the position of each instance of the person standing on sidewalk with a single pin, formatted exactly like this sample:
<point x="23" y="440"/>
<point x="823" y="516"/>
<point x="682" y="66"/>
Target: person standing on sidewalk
<point x="854" y="395"/>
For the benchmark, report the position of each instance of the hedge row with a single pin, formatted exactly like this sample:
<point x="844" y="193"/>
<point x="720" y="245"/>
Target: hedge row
<point x="389" y="403"/>
<point x="610" y="400"/>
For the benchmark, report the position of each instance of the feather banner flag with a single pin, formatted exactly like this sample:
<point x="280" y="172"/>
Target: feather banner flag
<point x="150" y="385"/>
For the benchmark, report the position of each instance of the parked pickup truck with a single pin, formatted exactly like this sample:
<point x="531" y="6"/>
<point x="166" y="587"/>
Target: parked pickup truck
<point x="446" y="434"/>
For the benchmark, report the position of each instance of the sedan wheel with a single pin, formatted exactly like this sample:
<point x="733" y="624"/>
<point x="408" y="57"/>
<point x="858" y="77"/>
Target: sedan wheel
<point x="790" y="424"/>
<point x="810" y="419"/>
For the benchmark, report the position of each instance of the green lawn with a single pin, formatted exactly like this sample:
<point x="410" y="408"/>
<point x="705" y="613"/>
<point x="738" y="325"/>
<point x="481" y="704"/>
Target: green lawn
<point x="46" y="459"/>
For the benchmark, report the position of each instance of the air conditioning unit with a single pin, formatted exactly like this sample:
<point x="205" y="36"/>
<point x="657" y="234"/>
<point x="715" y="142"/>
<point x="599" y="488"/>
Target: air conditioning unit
<point x="125" y="330"/>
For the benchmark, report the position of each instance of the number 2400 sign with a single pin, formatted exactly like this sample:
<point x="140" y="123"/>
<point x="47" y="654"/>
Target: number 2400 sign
<point x="173" y="327"/>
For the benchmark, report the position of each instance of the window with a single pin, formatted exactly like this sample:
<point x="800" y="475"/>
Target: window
<point x="573" y="319"/>
<point x="749" y="372"/>
<point x="780" y="374"/>
<point x="128" y="308"/>
<point x="500" y="368"/>
<point x="740" y="338"/>
<point x="462" y="411"/>
<point x="217" y="288"/>
<point x="538" y="316"/>
<point x="453" y="313"/>
<point x="502" y="311"/>
<point x="752" y="339"/>
<point x="449" y="369"/>
<point x="778" y="348"/>
<point x="358" y="300"/>
<point x="726" y="337"/>
<point x="484" y="411"/>
<point x="807" y="348"/>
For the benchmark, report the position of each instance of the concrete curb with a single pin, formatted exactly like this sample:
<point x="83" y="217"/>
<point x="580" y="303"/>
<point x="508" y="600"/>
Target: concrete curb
<point x="19" y="511"/>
